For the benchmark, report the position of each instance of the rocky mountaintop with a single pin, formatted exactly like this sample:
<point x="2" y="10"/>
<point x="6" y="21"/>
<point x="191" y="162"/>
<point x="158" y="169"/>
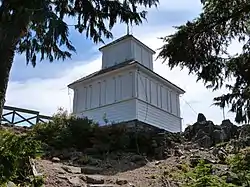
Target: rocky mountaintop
<point x="165" y="163"/>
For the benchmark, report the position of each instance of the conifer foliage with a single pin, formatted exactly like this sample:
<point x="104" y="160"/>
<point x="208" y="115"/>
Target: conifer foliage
<point x="38" y="28"/>
<point x="201" y="46"/>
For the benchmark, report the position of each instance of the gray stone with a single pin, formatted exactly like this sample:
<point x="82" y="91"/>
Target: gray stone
<point x="201" y="118"/>
<point x="199" y="134"/>
<point x="157" y="163"/>
<point x="91" y="170"/>
<point x="10" y="184"/>
<point x="72" y="169"/>
<point x="205" y="141"/>
<point x="194" y="160"/>
<point x="75" y="181"/>
<point x="244" y="131"/>
<point x="93" y="179"/>
<point x="121" y="181"/>
<point x="100" y="185"/>
<point x="208" y="127"/>
<point x="182" y="157"/>
<point x="136" y="158"/>
<point x="219" y="136"/>
<point x="61" y="176"/>
<point x="229" y="129"/>
<point x="55" y="159"/>
<point x="178" y="152"/>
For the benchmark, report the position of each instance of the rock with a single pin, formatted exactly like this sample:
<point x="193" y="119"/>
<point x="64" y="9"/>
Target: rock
<point x="75" y="181"/>
<point x="91" y="170"/>
<point x="55" y="159"/>
<point x="244" y="131"/>
<point x="205" y="141"/>
<point x="91" y="151"/>
<point x="93" y="179"/>
<point x="200" y="134"/>
<point x="59" y="170"/>
<point x="220" y="153"/>
<point x="194" y="160"/>
<point x="189" y="132"/>
<point x="10" y="184"/>
<point x="229" y="129"/>
<point x="158" y="153"/>
<point x="209" y="161"/>
<point x="182" y="157"/>
<point x="72" y="169"/>
<point x="100" y="185"/>
<point x="157" y="163"/>
<point x="65" y="154"/>
<point x="219" y="136"/>
<point x="178" y="152"/>
<point x="131" y="185"/>
<point x="208" y="127"/>
<point x="62" y="176"/>
<point x="201" y="118"/>
<point x="121" y="181"/>
<point x="232" y="178"/>
<point x="136" y="158"/>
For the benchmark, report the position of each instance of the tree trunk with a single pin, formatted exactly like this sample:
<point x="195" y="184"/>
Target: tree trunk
<point x="12" y="27"/>
<point x="6" y="60"/>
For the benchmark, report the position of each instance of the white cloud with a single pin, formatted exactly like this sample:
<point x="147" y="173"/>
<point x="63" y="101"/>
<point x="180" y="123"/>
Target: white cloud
<point x="193" y="5"/>
<point x="47" y="95"/>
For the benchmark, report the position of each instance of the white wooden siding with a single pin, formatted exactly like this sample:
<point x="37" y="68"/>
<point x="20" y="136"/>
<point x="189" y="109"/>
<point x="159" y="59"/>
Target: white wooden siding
<point x="110" y="89"/>
<point x="157" y="94"/>
<point x="128" y="49"/>
<point x="152" y="115"/>
<point x="113" y="94"/>
<point x="142" y="55"/>
<point x="118" y="112"/>
<point x="117" y="53"/>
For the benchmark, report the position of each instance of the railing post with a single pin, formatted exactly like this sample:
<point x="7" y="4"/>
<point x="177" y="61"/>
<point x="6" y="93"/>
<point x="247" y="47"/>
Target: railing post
<point x="37" y="118"/>
<point x="13" y="117"/>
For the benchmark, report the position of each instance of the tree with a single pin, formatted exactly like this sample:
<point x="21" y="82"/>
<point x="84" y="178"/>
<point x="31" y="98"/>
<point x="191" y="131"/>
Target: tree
<point x="38" y="27"/>
<point x="201" y="46"/>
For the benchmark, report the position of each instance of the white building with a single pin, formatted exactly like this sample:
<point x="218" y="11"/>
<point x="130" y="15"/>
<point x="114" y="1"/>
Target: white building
<point x="127" y="88"/>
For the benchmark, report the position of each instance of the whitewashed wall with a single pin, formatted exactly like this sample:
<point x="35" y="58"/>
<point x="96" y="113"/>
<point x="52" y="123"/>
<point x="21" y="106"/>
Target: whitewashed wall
<point x="128" y="49"/>
<point x="107" y="90"/>
<point x="128" y="95"/>
<point x="157" y="93"/>
<point x="117" y="112"/>
<point x="116" y="53"/>
<point x="155" y="116"/>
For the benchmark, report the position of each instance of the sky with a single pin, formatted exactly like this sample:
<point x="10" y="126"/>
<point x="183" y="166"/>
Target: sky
<point x="44" y="88"/>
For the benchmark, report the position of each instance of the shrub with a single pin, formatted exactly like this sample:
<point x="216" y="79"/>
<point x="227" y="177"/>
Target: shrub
<point x="240" y="166"/>
<point x="65" y="131"/>
<point x="202" y="175"/>
<point x="15" y="151"/>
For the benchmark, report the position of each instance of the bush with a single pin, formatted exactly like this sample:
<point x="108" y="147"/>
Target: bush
<point x="240" y="166"/>
<point x="15" y="151"/>
<point x="202" y="175"/>
<point x="65" y="131"/>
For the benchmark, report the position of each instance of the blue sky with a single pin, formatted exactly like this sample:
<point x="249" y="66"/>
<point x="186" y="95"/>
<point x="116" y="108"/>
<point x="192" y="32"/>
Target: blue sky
<point x="44" y="87"/>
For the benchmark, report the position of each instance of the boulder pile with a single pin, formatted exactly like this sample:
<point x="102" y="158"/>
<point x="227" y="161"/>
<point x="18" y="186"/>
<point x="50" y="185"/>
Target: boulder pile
<point x="206" y="134"/>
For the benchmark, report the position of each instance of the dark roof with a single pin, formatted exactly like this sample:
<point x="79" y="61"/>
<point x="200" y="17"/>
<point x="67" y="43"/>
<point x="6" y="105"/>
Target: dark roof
<point x="123" y="38"/>
<point x="118" y="66"/>
<point x="102" y="71"/>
